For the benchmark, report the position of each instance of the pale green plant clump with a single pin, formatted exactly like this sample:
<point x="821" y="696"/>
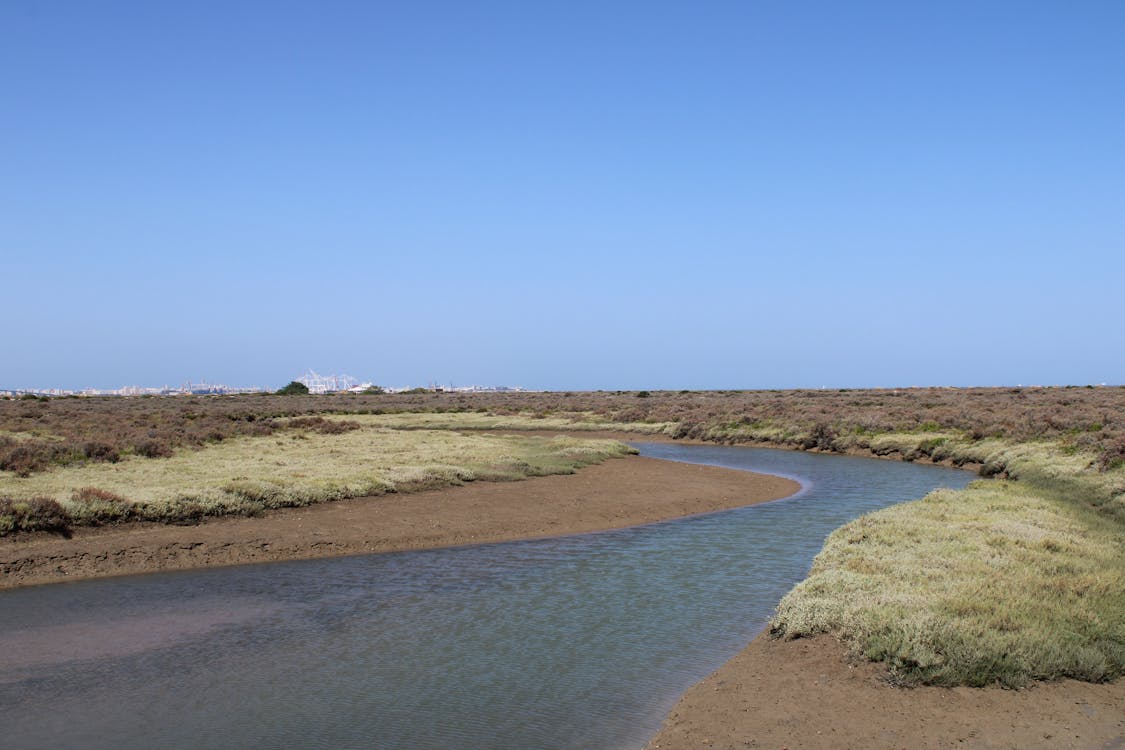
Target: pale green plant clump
<point x="248" y="475"/>
<point x="22" y="436"/>
<point x="1002" y="582"/>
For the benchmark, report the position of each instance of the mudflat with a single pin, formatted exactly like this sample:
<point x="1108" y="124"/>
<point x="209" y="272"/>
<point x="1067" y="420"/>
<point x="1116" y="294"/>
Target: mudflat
<point x="806" y="693"/>
<point x="620" y="492"/>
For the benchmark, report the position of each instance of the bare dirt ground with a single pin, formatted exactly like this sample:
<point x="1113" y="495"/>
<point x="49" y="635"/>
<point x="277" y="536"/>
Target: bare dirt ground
<point x="806" y="694"/>
<point x="618" y="493"/>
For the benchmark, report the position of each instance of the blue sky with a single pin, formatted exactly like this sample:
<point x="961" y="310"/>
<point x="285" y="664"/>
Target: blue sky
<point x="563" y="195"/>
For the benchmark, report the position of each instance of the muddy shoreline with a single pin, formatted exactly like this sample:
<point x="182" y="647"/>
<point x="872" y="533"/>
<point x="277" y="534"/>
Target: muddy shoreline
<point x="807" y="693"/>
<point x="618" y="493"/>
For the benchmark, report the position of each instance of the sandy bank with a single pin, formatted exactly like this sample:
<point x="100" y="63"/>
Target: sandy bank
<point x="805" y="694"/>
<point x="618" y="493"/>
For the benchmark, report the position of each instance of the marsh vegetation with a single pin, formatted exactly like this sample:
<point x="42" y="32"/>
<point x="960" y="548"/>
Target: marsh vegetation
<point x="1002" y="582"/>
<point x="37" y="434"/>
<point x="311" y="462"/>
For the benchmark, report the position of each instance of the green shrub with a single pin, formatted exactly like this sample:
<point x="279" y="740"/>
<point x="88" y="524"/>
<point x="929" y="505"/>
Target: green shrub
<point x="293" y="389"/>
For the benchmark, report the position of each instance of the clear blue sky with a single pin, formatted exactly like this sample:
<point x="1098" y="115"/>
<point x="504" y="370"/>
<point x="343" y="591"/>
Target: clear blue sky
<point x="563" y="195"/>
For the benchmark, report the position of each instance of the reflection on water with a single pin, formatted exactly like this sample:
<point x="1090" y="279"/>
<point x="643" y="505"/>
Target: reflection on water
<point x="576" y="642"/>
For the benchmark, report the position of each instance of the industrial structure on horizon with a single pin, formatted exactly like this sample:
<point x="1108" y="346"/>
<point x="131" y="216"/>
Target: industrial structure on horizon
<point x="317" y="383"/>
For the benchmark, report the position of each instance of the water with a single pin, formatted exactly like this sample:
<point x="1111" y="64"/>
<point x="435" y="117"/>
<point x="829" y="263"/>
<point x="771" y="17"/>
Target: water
<point x="580" y="642"/>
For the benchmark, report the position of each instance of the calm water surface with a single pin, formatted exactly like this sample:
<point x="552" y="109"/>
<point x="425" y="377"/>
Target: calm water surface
<point x="578" y="642"/>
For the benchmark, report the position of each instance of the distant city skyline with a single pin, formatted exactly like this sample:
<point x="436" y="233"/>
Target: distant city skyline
<point x="627" y="196"/>
<point x="316" y="383"/>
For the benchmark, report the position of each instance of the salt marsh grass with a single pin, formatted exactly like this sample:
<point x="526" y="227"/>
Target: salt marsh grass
<point x="247" y="475"/>
<point x="1002" y="582"/>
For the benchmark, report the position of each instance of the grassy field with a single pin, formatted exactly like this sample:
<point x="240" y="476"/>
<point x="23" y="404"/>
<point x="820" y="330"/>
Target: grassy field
<point x="247" y="475"/>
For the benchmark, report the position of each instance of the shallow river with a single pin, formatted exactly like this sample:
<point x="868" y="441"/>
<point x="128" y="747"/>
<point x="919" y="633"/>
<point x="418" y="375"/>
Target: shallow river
<point x="576" y="642"/>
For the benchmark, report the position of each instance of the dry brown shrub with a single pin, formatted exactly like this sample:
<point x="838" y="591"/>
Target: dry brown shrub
<point x="93" y="494"/>
<point x="32" y="514"/>
<point x="323" y="426"/>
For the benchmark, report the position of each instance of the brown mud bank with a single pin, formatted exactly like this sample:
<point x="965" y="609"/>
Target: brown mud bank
<point x="618" y="493"/>
<point x="807" y="694"/>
